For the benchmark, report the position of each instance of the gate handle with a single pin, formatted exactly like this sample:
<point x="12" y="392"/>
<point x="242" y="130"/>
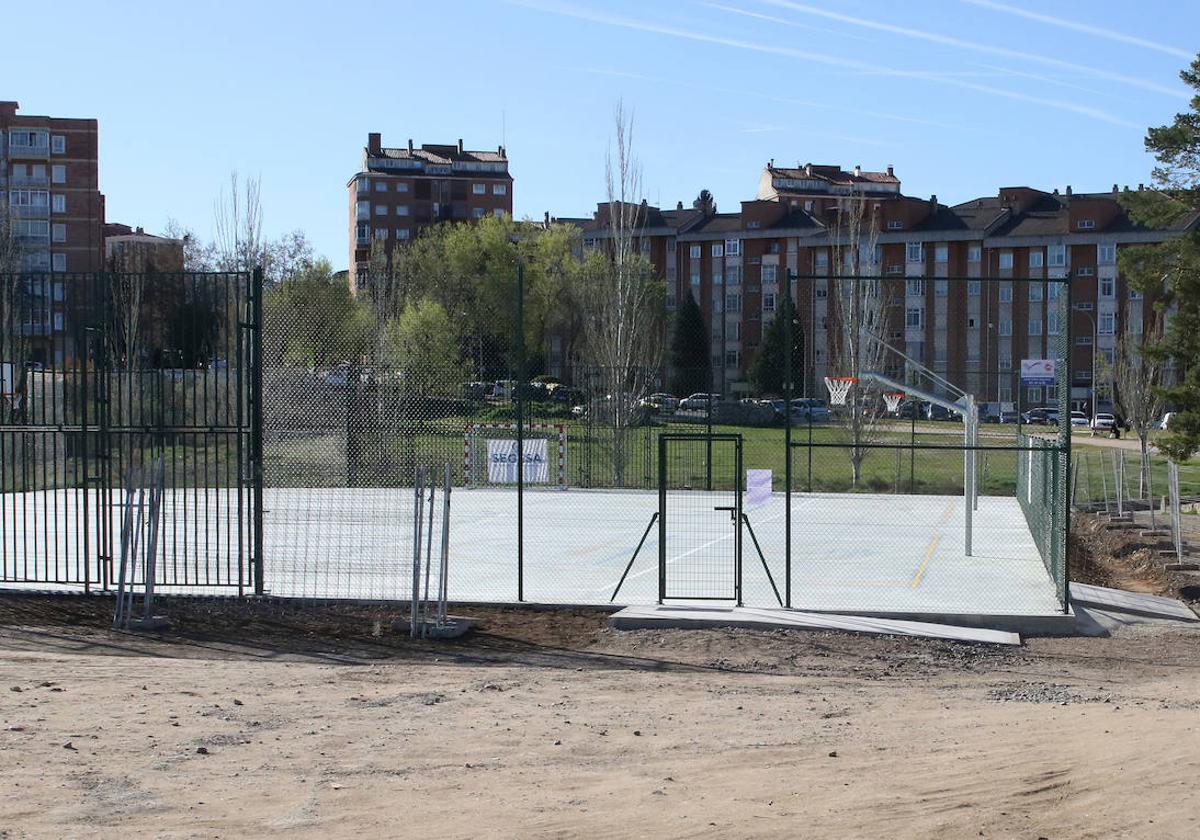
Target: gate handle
<point x="732" y="512"/>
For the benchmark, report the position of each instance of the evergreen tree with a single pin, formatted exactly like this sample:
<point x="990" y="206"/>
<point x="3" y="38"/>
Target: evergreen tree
<point x="766" y="374"/>
<point x="691" y="367"/>
<point x="1172" y="268"/>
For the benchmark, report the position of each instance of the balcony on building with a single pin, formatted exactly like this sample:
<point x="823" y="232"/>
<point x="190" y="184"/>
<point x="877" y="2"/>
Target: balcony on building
<point x="29" y="180"/>
<point x="23" y="151"/>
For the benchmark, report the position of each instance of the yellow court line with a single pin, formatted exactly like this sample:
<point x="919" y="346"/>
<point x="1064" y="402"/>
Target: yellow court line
<point x="937" y="538"/>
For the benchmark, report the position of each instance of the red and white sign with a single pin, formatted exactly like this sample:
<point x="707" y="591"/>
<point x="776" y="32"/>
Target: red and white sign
<point x="1038" y="372"/>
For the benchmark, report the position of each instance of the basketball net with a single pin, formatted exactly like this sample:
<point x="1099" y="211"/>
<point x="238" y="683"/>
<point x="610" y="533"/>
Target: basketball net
<point x="892" y="401"/>
<point x="839" y="388"/>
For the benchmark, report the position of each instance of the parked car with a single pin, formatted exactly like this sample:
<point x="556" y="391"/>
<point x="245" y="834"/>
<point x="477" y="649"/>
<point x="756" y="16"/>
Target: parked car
<point x="477" y="390"/>
<point x="566" y="394"/>
<point x="1040" y="417"/>
<point x="1165" y="423"/>
<point x="810" y="408"/>
<point x="940" y="412"/>
<point x="662" y="402"/>
<point x="698" y="402"/>
<point x="1078" y="418"/>
<point x="1106" y="423"/>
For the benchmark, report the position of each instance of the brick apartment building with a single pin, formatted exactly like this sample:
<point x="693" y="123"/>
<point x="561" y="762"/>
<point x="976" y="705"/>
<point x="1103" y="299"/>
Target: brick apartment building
<point x="967" y="283"/>
<point x="50" y="193"/>
<point x="400" y="191"/>
<point x="132" y="249"/>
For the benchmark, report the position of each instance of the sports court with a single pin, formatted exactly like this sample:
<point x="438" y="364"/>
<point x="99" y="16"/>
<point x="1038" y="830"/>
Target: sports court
<point x="880" y="553"/>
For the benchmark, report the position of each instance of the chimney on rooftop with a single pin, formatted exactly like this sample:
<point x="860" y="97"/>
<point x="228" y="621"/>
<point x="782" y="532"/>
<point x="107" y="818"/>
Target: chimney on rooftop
<point x="547" y="218"/>
<point x="771" y="163"/>
<point x="1068" y="190"/>
<point x="1141" y="187"/>
<point x="808" y="169"/>
<point x="410" y="146"/>
<point x="1056" y="190"/>
<point x="460" y="146"/>
<point x="374" y="143"/>
<point x="857" y="170"/>
<point x="1114" y="189"/>
<point x="890" y="172"/>
<point x="933" y="200"/>
<point x="9" y="109"/>
<point x="679" y="205"/>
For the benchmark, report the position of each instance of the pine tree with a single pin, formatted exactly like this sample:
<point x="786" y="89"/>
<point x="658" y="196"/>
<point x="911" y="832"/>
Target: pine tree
<point x="1172" y="268"/>
<point x="691" y="366"/>
<point x="767" y="372"/>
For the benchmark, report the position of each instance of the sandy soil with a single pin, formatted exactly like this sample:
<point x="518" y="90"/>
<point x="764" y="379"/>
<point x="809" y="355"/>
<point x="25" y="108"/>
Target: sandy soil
<point x="261" y="720"/>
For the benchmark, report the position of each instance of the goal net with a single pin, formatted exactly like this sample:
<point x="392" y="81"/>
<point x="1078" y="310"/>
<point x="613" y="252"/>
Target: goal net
<point x="490" y="455"/>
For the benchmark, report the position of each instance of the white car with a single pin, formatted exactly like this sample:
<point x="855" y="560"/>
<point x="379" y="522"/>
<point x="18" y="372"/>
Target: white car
<point x="1166" y="420"/>
<point x="1104" y="423"/>
<point x="1078" y="418"/>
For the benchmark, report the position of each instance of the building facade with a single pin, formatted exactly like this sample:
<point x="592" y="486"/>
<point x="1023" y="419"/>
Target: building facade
<point x="400" y="191"/>
<point x="969" y="288"/>
<point x="132" y="249"/>
<point x="50" y="185"/>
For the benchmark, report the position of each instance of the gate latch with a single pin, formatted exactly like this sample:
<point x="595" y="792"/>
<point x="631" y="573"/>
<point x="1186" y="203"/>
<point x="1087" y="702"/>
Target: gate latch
<point x="732" y="512"/>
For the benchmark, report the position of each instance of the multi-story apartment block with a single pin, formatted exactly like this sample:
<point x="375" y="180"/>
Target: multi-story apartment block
<point x="50" y="183"/>
<point x="400" y="191"/>
<point x="132" y="249"/>
<point x="968" y="286"/>
<point x="50" y="197"/>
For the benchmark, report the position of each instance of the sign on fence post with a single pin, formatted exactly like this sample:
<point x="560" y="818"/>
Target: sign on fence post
<point x="502" y="461"/>
<point x="1038" y="372"/>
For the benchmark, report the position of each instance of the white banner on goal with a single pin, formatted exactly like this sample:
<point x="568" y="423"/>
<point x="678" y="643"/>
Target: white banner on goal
<point x="502" y="461"/>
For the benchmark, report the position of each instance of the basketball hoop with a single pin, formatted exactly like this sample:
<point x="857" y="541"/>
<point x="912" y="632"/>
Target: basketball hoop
<point x="892" y="401"/>
<point x="839" y="388"/>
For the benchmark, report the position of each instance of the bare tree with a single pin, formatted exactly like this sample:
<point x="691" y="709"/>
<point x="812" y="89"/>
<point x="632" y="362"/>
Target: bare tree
<point x="623" y="303"/>
<point x="859" y="306"/>
<point x="1138" y="378"/>
<point x="15" y="310"/>
<point x="238" y="221"/>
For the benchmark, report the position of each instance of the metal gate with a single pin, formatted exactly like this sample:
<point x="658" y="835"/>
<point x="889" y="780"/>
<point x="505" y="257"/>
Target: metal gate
<point x="700" y="517"/>
<point x="106" y="372"/>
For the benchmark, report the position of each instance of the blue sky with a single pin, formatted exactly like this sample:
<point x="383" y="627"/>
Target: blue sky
<point x="962" y="96"/>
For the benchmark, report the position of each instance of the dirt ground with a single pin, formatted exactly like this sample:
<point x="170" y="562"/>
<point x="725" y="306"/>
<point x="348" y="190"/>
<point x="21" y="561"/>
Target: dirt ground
<point x="273" y="720"/>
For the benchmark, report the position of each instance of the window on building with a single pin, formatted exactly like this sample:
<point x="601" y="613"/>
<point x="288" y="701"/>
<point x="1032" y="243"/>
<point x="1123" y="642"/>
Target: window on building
<point x="1057" y="255"/>
<point x="402" y="233"/>
<point x="1136" y="326"/>
<point x="768" y="301"/>
<point x="1086" y="224"/>
<point x="694" y="252"/>
<point x="58" y="233"/>
<point x="718" y="278"/>
<point x="821" y="260"/>
<point x="822" y="289"/>
<point x="1035" y="326"/>
<point x="768" y="273"/>
<point x="974" y="253"/>
<point x="733" y="275"/>
<point x="1106" y="253"/>
<point x="1107" y="287"/>
<point x="1005" y="293"/>
<point x="363" y="209"/>
<point x="1033" y="395"/>
<point x="58" y="173"/>
<point x="363" y="232"/>
<point x="1051" y="323"/>
<point x="59" y="203"/>
<point x="499" y="189"/>
<point x="1036" y="292"/>
<point x="914" y="317"/>
<point x="401" y="187"/>
<point x="808" y="206"/>
<point x="696" y="281"/>
<point x="733" y="247"/>
<point x="381" y="186"/>
<point x="733" y="302"/>
<point x="972" y="324"/>
<point x="1107" y="323"/>
<point x="401" y="209"/>
<point x="718" y="249"/>
<point x="1083" y="340"/>
<point x="1006" y="259"/>
<point x="895" y="224"/>
<point x="364" y="184"/>
<point x="974" y="288"/>
<point x="381" y="233"/>
<point x="1003" y="362"/>
<point x="914" y="287"/>
<point x="941" y="288"/>
<point x="1134" y="294"/>
<point x="478" y="212"/>
<point x="498" y="212"/>
<point x="58" y="262"/>
<point x="58" y="144"/>
<point x="731" y="358"/>
<point x="1004" y="327"/>
<point x="733" y="332"/>
<point x="1035" y="259"/>
<point x="381" y="210"/>
<point x="1086" y="271"/>
<point x="915" y="252"/>
<point x="1054" y="291"/>
<point x="941" y="253"/>
<point x="479" y="189"/>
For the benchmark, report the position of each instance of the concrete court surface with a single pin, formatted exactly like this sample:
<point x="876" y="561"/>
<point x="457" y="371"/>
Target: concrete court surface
<point x="893" y="554"/>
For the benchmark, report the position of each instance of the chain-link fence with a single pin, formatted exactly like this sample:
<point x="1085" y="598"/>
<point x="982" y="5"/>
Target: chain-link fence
<point x="900" y="501"/>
